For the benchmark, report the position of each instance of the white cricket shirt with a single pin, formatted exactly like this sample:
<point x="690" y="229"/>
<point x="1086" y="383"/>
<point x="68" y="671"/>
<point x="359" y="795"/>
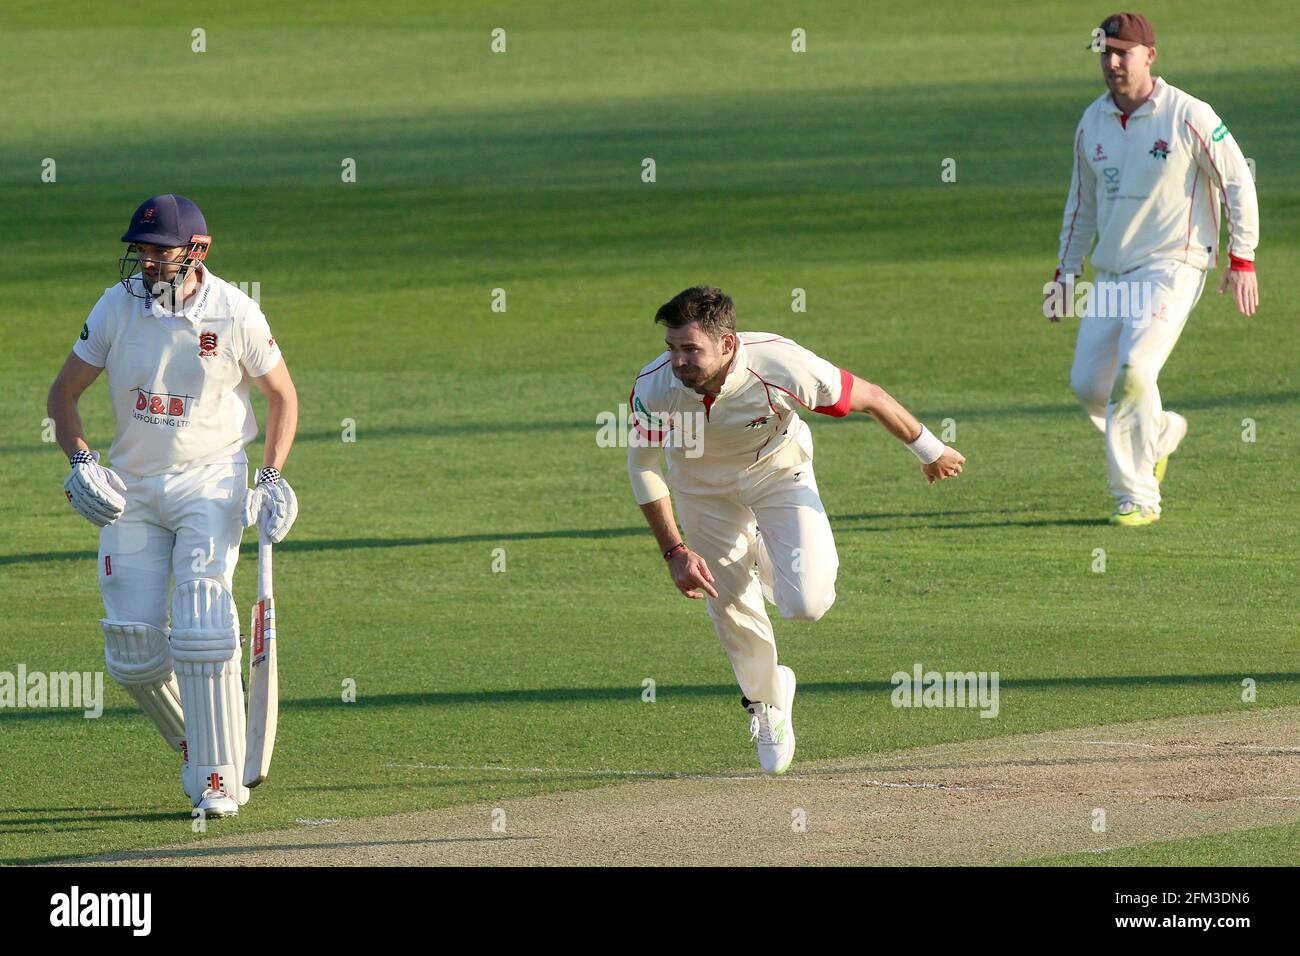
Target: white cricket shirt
<point x="751" y="425"/>
<point x="1149" y="186"/>
<point x="179" y="382"/>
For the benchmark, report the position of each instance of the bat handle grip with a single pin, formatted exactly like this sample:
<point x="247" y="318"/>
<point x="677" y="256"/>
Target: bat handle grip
<point x="263" y="565"/>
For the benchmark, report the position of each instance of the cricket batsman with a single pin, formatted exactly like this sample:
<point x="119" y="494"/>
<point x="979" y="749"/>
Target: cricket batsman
<point x="1152" y="165"/>
<point x="724" y="407"/>
<point x="180" y="346"/>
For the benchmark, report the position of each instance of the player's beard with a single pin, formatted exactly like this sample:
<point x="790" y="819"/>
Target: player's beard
<point x="694" y="378"/>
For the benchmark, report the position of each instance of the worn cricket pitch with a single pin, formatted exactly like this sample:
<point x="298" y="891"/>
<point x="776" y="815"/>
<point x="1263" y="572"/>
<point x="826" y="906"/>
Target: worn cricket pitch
<point x="993" y="801"/>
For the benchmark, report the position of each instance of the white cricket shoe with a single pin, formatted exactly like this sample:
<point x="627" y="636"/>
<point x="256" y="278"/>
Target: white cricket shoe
<point x="772" y="727"/>
<point x="218" y="803"/>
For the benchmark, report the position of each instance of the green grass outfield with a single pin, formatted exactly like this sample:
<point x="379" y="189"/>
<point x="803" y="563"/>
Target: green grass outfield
<point x="477" y="430"/>
<point x="1258" y="846"/>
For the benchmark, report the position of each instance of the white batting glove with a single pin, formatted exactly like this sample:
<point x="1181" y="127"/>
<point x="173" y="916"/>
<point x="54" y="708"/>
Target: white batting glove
<point x="94" y="491"/>
<point x="270" y="504"/>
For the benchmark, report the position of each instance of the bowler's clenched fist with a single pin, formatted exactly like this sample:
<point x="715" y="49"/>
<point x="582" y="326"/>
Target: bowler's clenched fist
<point x="947" y="465"/>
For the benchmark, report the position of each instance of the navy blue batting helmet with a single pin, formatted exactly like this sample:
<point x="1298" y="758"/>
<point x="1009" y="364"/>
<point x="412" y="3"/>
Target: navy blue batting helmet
<point x="170" y="221"/>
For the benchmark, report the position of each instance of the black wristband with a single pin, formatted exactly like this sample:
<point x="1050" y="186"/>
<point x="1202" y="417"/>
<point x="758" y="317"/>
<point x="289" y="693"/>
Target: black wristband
<point x="673" y="550"/>
<point x="267" y="474"/>
<point x="81" y="456"/>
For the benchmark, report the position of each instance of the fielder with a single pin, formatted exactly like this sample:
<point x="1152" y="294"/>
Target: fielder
<point x="1151" y="167"/>
<point x="744" y="487"/>
<point x="180" y="346"/>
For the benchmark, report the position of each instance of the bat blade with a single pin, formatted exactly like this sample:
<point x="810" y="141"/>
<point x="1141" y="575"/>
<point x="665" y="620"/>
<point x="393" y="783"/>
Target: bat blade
<point x="263" y="678"/>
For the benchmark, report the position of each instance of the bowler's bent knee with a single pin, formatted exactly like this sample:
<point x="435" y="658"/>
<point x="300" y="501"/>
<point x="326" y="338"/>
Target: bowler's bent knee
<point x="806" y="605"/>
<point x="1092" y="394"/>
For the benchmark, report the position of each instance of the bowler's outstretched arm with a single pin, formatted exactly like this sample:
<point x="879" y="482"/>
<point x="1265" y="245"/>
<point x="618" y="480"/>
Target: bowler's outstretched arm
<point x="902" y="424"/>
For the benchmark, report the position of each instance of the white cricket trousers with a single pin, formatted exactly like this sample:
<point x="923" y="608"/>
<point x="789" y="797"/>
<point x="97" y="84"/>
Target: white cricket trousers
<point x="800" y="556"/>
<point x="184" y="525"/>
<point x="1124" y="340"/>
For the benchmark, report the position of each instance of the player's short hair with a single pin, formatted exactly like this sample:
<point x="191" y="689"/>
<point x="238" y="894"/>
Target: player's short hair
<point x="710" y="307"/>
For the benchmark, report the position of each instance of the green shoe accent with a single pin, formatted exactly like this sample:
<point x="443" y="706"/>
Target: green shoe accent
<point x="1135" y="519"/>
<point x="1161" y="467"/>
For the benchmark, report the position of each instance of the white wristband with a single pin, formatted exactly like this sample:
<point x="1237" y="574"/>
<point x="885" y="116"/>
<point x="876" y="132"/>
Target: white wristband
<point x="926" y="447"/>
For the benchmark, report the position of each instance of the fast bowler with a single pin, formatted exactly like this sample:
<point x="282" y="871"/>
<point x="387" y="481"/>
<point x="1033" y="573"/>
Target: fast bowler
<point x="744" y="487"/>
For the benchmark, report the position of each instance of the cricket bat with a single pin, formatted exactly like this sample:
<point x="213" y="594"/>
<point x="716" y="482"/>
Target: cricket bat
<point x="263" y="680"/>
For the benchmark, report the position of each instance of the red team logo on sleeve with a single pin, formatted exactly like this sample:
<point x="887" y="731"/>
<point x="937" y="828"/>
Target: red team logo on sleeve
<point x="207" y="344"/>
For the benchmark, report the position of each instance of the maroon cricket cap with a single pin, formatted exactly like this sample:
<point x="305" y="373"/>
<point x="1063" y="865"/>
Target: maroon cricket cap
<point x="1126" y="30"/>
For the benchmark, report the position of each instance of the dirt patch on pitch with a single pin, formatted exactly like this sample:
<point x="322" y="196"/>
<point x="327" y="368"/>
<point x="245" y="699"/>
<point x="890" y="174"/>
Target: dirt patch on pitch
<point x="1001" y="800"/>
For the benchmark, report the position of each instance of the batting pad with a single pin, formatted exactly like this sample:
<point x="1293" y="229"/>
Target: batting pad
<point x="136" y="656"/>
<point x="205" y="647"/>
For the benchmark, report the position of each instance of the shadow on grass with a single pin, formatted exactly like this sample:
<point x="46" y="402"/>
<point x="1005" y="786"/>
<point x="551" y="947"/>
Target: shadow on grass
<point x="1041" y="523"/>
<point x="351" y="544"/>
<point x="249" y="547"/>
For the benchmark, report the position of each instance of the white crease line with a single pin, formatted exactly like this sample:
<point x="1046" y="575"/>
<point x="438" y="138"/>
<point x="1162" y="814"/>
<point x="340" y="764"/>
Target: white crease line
<point x="931" y="786"/>
<point x="317" y="823"/>
<point x="1167" y="794"/>
<point x="1211" y="748"/>
<point x="1101" y="743"/>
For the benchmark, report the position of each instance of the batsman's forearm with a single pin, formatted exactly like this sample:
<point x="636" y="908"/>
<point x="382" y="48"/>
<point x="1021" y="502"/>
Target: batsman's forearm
<point x="884" y="408"/>
<point x="659" y="515"/>
<point x="67" y="422"/>
<point x="281" y="427"/>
